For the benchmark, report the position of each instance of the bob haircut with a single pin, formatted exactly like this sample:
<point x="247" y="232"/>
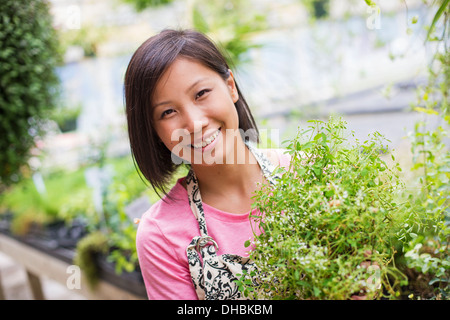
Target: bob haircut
<point x="145" y="68"/>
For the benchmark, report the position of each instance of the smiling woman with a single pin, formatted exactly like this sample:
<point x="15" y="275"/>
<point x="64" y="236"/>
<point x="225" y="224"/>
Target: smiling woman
<point x="155" y="59"/>
<point x="183" y="102"/>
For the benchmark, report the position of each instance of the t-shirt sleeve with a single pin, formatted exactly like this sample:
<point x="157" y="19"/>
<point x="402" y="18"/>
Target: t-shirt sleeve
<point x="165" y="277"/>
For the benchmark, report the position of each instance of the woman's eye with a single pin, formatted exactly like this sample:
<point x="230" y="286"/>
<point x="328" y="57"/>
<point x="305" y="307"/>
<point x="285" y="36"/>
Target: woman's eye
<point x="166" y="113"/>
<point x="201" y="93"/>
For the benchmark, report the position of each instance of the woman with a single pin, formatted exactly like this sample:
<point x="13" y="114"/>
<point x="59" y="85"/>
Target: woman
<point x="183" y="105"/>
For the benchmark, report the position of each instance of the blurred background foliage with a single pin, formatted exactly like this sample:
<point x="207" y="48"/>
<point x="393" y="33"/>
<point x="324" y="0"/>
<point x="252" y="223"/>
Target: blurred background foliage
<point x="64" y="155"/>
<point x="426" y="257"/>
<point x="28" y="81"/>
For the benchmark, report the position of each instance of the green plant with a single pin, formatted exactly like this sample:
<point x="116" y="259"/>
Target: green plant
<point x="66" y="117"/>
<point x="28" y="82"/>
<point x="25" y="221"/>
<point x="123" y="252"/>
<point x="140" y="5"/>
<point x="338" y="206"/>
<point x="426" y="257"/>
<point x="88" y="249"/>
<point x="428" y="252"/>
<point x="88" y="37"/>
<point x="231" y="23"/>
<point x="64" y="198"/>
<point x="126" y="187"/>
<point x="318" y="9"/>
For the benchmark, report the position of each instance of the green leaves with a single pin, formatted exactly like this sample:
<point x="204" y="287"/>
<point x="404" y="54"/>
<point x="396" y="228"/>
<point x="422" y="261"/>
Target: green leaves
<point x="231" y="23"/>
<point x="337" y="201"/>
<point x="28" y="56"/>
<point x="141" y="5"/>
<point x="444" y="6"/>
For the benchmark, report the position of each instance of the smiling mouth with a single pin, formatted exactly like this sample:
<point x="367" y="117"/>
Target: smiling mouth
<point x="206" y="142"/>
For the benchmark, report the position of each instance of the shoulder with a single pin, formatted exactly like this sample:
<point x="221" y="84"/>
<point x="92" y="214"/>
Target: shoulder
<point x="170" y="203"/>
<point x="164" y="231"/>
<point x="165" y="217"/>
<point x="169" y="221"/>
<point x="278" y="157"/>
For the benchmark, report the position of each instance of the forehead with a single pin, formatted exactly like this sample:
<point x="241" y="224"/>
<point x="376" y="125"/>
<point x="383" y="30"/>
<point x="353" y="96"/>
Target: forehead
<point x="182" y="73"/>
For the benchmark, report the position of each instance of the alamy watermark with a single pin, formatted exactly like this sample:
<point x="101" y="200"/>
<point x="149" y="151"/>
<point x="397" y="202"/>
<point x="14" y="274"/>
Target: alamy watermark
<point x="373" y="281"/>
<point x="73" y="281"/>
<point x="67" y="17"/>
<point x="373" y="21"/>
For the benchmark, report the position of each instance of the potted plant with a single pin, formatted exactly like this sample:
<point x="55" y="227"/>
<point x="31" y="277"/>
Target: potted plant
<point x="330" y="225"/>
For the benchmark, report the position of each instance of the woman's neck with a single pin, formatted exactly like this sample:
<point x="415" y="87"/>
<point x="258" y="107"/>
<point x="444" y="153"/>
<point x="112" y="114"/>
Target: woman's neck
<point x="237" y="179"/>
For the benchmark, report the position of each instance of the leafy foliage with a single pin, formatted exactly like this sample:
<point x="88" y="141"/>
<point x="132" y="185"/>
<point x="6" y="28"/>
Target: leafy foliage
<point x="28" y="83"/>
<point x="338" y="206"/>
<point x="141" y="5"/>
<point x="426" y="257"/>
<point x="443" y="9"/>
<point x="87" y="250"/>
<point x="231" y="24"/>
<point x="318" y="9"/>
<point x="66" y="197"/>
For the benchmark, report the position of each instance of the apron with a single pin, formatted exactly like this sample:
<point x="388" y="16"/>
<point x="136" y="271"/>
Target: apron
<point x="213" y="276"/>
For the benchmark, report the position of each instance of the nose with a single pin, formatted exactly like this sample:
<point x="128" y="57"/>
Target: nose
<point x="195" y="120"/>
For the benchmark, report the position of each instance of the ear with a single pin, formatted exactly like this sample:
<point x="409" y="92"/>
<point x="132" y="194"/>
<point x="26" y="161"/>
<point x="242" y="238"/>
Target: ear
<point x="232" y="86"/>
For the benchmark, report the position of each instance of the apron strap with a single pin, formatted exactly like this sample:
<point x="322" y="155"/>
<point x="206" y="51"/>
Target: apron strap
<point x="195" y="201"/>
<point x="213" y="275"/>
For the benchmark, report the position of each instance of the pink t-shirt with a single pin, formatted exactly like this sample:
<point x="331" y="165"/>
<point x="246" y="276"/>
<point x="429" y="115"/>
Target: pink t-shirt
<point x="167" y="228"/>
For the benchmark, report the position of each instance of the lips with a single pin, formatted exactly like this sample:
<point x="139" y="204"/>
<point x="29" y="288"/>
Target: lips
<point x="207" y="141"/>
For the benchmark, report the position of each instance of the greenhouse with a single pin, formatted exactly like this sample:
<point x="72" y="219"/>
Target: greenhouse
<point x="330" y="180"/>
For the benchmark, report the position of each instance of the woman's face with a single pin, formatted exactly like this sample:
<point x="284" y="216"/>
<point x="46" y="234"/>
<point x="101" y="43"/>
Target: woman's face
<point x="193" y="109"/>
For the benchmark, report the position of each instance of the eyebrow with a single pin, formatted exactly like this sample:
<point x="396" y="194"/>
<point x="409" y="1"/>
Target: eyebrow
<point x="187" y="90"/>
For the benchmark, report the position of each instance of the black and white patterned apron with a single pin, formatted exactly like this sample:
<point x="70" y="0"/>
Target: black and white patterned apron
<point x="213" y="276"/>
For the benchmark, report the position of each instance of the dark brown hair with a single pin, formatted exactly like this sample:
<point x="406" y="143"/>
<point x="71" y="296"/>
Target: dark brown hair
<point x="146" y="67"/>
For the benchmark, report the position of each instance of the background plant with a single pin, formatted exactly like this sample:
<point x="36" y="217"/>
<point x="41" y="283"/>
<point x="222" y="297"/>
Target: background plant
<point x="231" y="23"/>
<point x="426" y="257"/>
<point x="28" y="83"/>
<point x="88" y="249"/>
<point x="339" y="205"/>
<point x="88" y="37"/>
<point x="140" y="5"/>
<point x="66" y="197"/>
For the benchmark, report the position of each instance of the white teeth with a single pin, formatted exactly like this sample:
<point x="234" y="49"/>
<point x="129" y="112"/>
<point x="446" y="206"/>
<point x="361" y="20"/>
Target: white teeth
<point x="207" y="141"/>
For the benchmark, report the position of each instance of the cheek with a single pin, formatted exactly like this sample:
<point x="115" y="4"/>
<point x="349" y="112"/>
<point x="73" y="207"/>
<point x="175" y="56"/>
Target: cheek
<point x="227" y="112"/>
<point x="172" y="136"/>
<point x="232" y="116"/>
<point x="164" y="133"/>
